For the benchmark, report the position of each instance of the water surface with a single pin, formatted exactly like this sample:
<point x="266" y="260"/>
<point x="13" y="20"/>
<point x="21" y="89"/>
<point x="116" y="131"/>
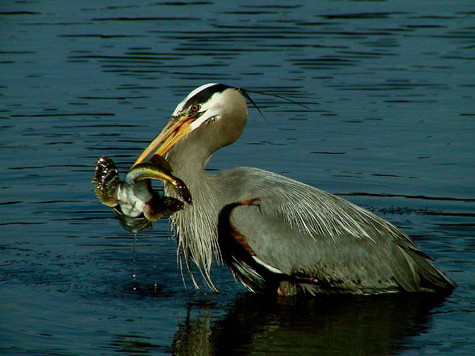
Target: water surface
<point x="391" y="88"/>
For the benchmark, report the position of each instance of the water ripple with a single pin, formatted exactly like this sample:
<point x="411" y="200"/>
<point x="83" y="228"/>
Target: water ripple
<point x="390" y="126"/>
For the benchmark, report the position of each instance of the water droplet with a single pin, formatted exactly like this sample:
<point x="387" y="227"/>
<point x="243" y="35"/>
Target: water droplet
<point x="134" y="274"/>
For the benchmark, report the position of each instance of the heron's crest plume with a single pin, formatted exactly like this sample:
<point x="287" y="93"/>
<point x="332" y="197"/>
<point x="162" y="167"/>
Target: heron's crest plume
<point x="246" y="92"/>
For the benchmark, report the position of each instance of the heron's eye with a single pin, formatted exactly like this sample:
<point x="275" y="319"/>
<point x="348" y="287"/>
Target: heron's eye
<point x="194" y="108"/>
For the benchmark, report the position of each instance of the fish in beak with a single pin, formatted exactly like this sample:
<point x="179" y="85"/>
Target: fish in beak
<point x="134" y="197"/>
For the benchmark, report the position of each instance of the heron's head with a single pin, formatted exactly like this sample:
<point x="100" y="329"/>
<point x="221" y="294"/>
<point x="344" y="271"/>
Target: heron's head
<point x="216" y="113"/>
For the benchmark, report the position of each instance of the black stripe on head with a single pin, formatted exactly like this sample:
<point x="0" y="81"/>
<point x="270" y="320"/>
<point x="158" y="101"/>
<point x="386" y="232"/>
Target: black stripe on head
<point x="204" y="95"/>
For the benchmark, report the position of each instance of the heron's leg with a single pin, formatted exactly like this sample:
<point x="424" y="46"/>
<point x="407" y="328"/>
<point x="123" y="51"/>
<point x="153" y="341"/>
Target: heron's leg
<point x="287" y="289"/>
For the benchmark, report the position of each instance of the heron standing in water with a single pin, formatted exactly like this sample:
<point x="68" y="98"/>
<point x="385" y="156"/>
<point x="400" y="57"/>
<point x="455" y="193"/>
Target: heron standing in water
<point x="277" y="234"/>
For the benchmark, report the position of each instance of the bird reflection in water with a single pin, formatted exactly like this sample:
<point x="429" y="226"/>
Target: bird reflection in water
<point x="337" y="325"/>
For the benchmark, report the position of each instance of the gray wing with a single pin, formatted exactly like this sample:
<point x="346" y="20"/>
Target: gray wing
<point x="295" y="230"/>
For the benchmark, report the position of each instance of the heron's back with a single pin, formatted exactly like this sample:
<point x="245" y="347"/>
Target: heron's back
<point x="299" y="229"/>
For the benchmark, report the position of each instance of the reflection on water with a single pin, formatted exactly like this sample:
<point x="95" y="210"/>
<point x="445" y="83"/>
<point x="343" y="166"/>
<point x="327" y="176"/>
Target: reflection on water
<point x="391" y="88"/>
<point x="327" y="326"/>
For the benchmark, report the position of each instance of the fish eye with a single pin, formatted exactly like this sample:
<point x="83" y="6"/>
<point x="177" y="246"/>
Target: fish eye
<point x="194" y="107"/>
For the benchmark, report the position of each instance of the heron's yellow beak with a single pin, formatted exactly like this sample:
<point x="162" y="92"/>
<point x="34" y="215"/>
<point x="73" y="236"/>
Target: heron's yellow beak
<point x="177" y="128"/>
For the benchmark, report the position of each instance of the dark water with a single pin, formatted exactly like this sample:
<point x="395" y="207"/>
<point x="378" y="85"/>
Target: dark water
<point x="392" y="128"/>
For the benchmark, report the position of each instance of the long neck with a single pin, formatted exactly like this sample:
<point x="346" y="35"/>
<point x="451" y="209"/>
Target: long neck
<point x="196" y="225"/>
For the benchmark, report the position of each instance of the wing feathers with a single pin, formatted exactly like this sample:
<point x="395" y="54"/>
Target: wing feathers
<point x="294" y="231"/>
<point x="358" y="265"/>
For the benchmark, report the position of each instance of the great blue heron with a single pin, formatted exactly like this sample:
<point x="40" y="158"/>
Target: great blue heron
<point x="275" y="233"/>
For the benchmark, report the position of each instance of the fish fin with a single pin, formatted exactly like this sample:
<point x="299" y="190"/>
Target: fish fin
<point x="158" y="206"/>
<point x="106" y="181"/>
<point x="151" y="214"/>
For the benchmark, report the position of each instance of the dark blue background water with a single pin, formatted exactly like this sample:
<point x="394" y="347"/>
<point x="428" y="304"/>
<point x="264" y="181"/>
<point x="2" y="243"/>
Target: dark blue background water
<point x="391" y="88"/>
